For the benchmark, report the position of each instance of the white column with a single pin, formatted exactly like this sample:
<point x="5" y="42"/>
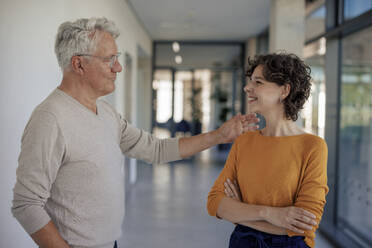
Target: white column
<point x="287" y="26"/>
<point x="287" y="29"/>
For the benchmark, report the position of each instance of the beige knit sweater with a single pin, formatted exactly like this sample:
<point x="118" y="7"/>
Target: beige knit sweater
<point x="70" y="169"/>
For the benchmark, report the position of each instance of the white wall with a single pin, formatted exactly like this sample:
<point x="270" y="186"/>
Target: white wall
<point x="145" y="87"/>
<point x="29" y="72"/>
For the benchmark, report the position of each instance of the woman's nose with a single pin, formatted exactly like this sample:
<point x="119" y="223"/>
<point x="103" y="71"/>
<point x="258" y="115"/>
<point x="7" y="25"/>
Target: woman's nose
<point x="247" y="89"/>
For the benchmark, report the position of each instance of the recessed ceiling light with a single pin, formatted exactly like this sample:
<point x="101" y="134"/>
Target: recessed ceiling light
<point x="176" y="47"/>
<point x="178" y="59"/>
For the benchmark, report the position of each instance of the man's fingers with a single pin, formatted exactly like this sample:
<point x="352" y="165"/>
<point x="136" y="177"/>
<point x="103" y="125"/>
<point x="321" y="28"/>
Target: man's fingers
<point x="250" y="128"/>
<point x="249" y="116"/>
<point x="238" y="117"/>
<point x="250" y="120"/>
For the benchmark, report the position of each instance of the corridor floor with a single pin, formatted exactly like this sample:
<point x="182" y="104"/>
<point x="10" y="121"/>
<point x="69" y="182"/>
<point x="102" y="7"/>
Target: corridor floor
<point x="166" y="207"/>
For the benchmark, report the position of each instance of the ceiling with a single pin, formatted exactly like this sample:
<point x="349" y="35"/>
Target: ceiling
<point x="202" y="19"/>
<point x="198" y="56"/>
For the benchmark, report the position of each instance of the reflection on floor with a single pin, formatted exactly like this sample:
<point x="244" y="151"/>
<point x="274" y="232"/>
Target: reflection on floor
<point x="166" y="208"/>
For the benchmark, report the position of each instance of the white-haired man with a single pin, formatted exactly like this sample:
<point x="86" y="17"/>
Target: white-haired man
<point x="70" y="189"/>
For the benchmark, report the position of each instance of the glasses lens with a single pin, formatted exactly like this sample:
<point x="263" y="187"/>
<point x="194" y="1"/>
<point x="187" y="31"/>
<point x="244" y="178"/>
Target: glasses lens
<point x="114" y="58"/>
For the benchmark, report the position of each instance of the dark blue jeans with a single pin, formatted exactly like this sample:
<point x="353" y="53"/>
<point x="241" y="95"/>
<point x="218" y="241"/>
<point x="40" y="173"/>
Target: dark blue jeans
<point x="246" y="237"/>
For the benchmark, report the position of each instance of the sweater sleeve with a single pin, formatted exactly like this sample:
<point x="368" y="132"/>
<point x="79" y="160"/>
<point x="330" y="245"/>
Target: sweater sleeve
<point x="313" y="188"/>
<point x="217" y="192"/>
<point x="139" y="144"/>
<point x="42" y="151"/>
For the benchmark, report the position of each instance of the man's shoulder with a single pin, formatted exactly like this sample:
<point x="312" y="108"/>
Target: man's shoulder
<point x="53" y="103"/>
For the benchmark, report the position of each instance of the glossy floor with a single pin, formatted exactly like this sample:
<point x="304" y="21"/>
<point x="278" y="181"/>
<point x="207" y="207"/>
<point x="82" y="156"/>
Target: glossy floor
<point x="166" y="208"/>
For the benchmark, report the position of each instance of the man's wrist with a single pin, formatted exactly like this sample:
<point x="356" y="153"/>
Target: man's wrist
<point x="215" y="137"/>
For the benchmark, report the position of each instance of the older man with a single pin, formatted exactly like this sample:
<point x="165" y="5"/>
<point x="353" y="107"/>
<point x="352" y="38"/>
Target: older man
<point x="70" y="189"/>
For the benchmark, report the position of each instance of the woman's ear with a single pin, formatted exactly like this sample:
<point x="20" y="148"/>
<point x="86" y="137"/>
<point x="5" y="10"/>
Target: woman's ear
<point x="286" y="90"/>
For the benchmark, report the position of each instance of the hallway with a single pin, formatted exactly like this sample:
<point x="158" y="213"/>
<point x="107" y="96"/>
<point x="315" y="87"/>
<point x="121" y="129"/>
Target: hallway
<point x="167" y="207"/>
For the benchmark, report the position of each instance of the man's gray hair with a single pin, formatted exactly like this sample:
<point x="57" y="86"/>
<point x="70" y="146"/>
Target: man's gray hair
<point x="80" y="37"/>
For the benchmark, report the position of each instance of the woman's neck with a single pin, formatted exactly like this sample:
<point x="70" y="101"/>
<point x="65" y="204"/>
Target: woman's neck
<point x="279" y="126"/>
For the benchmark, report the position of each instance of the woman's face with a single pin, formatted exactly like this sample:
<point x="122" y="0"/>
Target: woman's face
<point x="263" y="96"/>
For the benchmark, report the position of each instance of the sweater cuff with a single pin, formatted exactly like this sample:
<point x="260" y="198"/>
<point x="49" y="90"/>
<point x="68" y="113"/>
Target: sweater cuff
<point x="32" y="218"/>
<point x="213" y="205"/>
<point x="173" y="147"/>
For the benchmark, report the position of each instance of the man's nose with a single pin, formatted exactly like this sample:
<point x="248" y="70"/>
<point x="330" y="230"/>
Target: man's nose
<point x="117" y="67"/>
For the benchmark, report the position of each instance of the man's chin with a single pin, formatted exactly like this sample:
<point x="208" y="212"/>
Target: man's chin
<point x="112" y="85"/>
<point x="109" y="90"/>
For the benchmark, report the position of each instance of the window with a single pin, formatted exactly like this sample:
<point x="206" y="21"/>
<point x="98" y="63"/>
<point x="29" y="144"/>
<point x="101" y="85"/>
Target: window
<point x="314" y="109"/>
<point x="355" y="157"/>
<point x="315" y="23"/>
<point x="354" y="8"/>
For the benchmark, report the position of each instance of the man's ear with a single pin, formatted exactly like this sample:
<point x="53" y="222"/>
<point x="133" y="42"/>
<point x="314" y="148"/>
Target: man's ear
<point x="77" y="65"/>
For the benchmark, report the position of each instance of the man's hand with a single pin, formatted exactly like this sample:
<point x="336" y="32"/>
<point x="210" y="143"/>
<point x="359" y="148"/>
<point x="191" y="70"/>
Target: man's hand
<point x="237" y="125"/>
<point x="228" y="132"/>
<point x="232" y="190"/>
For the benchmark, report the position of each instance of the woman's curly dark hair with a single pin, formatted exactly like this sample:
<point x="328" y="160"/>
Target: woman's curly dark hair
<point x="283" y="68"/>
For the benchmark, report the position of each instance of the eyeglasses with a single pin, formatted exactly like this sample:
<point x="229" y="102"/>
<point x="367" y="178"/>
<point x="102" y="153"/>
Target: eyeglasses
<point x="112" y="59"/>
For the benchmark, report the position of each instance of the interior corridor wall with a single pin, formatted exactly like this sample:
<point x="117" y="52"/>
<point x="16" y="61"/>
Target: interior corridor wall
<point x="145" y="87"/>
<point x="29" y="72"/>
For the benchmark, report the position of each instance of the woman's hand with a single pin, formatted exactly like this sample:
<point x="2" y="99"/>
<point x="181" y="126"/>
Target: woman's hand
<point x="292" y="218"/>
<point x="232" y="190"/>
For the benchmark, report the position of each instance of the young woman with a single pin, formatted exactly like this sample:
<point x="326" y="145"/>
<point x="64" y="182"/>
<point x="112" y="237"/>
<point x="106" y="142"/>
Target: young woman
<point x="274" y="182"/>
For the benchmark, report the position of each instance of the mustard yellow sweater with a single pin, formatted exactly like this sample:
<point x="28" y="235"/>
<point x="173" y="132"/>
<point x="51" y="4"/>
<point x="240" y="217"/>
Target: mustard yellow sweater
<point x="277" y="171"/>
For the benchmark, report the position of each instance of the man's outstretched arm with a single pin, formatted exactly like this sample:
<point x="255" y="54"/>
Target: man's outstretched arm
<point x="136" y="143"/>
<point x="228" y="132"/>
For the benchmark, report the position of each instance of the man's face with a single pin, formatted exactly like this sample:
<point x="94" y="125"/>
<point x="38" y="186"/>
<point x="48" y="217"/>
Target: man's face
<point x="99" y="75"/>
